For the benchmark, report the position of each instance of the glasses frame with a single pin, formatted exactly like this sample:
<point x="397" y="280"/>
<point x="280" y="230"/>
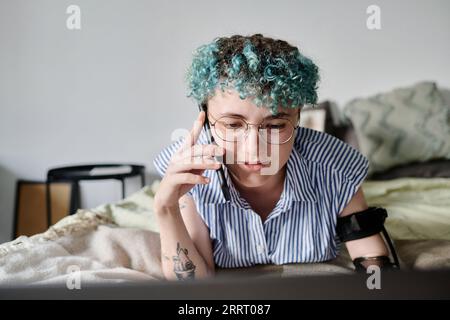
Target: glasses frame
<point x="248" y="124"/>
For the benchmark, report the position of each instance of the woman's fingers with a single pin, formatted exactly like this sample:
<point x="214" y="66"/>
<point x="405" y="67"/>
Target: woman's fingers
<point x="189" y="178"/>
<point x="199" y="150"/>
<point x="183" y="167"/>
<point x="193" y="135"/>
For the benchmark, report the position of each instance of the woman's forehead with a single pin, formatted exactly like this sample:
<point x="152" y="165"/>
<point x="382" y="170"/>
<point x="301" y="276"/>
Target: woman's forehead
<point x="229" y="102"/>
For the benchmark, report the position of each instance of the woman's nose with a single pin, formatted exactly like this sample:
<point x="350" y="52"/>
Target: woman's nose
<point x="252" y="143"/>
<point x="253" y="134"/>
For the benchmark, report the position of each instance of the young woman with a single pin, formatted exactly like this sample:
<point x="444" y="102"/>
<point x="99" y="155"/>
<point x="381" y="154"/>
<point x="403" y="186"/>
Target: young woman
<point x="288" y="184"/>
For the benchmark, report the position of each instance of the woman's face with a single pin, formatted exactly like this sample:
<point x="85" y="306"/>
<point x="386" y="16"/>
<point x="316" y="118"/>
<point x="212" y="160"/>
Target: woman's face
<point x="251" y="160"/>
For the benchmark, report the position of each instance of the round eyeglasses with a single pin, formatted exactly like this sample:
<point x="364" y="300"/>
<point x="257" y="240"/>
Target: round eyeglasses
<point x="235" y="129"/>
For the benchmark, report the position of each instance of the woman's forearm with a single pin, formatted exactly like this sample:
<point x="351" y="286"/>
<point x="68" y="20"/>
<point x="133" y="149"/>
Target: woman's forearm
<point x="180" y="258"/>
<point x="367" y="247"/>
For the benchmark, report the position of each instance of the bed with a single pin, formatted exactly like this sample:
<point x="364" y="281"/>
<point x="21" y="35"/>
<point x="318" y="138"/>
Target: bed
<point x="120" y="242"/>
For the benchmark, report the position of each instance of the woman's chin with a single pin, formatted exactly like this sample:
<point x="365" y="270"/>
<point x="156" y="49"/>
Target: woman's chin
<point x="249" y="176"/>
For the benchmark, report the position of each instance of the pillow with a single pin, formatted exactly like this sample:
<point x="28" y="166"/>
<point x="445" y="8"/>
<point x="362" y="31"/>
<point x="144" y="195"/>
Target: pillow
<point x="402" y="126"/>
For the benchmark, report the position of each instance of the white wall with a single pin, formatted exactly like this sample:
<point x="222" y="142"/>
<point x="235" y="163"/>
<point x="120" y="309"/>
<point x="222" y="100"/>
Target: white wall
<point x="113" y="91"/>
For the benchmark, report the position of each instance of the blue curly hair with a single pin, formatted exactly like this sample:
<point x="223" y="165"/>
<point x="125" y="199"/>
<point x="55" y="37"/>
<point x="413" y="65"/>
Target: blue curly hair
<point x="272" y="72"/>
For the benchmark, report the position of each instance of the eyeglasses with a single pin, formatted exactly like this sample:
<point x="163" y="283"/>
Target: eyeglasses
<point x="235" y="129"/>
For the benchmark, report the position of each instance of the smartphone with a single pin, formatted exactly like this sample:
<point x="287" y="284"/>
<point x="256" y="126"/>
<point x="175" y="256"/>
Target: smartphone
<point x="220" y="171"/>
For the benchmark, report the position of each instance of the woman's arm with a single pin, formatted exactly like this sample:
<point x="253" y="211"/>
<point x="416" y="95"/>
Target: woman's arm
<point x="185" y="245"/>
<point x="372" y="246"/>
<point x="180" y="225"/>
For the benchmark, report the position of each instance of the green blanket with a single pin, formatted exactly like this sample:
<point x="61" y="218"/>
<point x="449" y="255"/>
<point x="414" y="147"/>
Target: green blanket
<point x="418" y="208"/>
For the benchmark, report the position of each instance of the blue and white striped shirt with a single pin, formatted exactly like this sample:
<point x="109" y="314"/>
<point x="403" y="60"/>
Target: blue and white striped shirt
<point x="323" y="173"/>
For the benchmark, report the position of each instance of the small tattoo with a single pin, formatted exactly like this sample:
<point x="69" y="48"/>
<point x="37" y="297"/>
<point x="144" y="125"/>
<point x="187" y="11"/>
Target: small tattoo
<point x="183" y="205"/>
<point x="183" y="266"/>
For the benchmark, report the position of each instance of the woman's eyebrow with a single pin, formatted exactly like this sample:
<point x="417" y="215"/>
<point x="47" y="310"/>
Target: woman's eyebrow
<point x="228" y="114"/>
<point x="278" y="115"/>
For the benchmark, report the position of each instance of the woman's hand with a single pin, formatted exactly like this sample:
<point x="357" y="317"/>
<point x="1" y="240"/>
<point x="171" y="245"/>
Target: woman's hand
<point x="186" y="168"/>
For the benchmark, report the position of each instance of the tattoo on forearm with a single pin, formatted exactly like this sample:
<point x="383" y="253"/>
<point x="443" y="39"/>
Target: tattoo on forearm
<point x="184" y="268"/>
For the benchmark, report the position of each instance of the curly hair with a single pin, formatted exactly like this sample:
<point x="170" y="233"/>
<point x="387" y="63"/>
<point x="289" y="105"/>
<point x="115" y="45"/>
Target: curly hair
<point x="271" y="71"/>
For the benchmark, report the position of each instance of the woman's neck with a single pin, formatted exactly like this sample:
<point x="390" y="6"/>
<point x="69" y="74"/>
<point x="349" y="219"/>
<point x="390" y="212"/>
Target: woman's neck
<point x="264" y="198"/>
<point x="272" y="187"/>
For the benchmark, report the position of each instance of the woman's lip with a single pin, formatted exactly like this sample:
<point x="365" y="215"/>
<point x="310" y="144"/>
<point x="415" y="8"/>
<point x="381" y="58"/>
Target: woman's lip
<point x="254" y="166"/>
<point x="257" y="163"/>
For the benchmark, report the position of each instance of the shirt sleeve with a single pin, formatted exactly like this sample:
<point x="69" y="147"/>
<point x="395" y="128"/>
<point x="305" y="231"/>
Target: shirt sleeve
<point x="351" y="170"/>
<point x="161" y="161"/>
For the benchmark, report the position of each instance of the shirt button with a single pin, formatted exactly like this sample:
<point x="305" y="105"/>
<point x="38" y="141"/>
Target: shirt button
<point x="260" y="249"/>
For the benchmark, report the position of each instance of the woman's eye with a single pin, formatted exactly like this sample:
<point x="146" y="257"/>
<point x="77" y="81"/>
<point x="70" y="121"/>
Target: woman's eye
<point x="273" y="126"/>
<point x="233" y="125"/>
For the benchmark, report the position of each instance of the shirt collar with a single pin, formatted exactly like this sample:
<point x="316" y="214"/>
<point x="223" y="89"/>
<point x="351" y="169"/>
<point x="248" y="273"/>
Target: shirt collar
<point x="299" y="177"/>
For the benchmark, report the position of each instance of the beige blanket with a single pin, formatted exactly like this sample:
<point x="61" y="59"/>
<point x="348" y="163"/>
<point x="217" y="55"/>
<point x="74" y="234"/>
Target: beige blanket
<point x="90" y="248"/>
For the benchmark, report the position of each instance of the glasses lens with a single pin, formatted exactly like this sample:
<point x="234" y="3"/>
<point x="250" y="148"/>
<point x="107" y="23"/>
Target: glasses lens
<point x="277" y="131"/>
<point x="230" y="128"/>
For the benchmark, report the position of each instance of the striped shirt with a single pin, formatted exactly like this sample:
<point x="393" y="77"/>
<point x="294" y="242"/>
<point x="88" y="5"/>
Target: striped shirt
<point x="322" y="175"/>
